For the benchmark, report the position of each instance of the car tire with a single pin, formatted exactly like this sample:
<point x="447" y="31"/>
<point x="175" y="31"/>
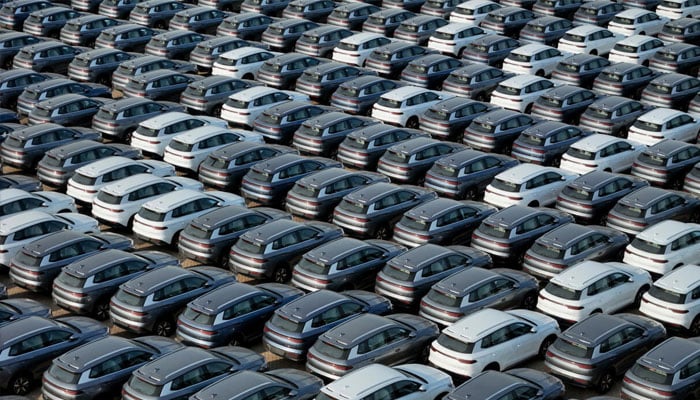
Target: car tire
<point x="638" y="296"/>
<point x="412" y="123"/>
<point x="101" y="309"/>
<point x="164" y="327"/>
<point x="175" y="240"/>
<point x="237" y="340"/>
<point x="594" y="52"/>
<point x="605" y="382"/>
<point x="282" y="274"/>
<point x="20" y="384"/>
<point x="383" y="232"/>
<point x="471" y="193"/>
<point x="492" y="367"/>
<point x="542" y="352"/>
<point x="695" y="326"/>
<point x="529" y="301"/>
<point x="424" y="355"/>
<point x="533" y="203"/>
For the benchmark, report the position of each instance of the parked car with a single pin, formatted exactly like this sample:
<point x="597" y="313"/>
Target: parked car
<point x="14" y="13"/>
<point x="160" y="84"/>
<point x="664" y="247"/>
<point x="681" y="30"/>
<point x="320" y="81"/>
<point x="386" y="21"/>
<point x="601" y="152"/>
<point x="202" y="19"/>
<point x="321" y="41"/>
<point x="355" y="49"/>
<point x="666" y="163"/>
<point x="590" y="39"/>
<point x="208" y="95"/>
<point x="674" y="9"/>
<point x="491" y="49"/>
<point x="418" y="29"/>
<point x="49" y="21"/>
<point x="364" y="147"/>
<point x="127" y="70"/>
<point x="548" y="30"/>
<point x="448" y="119"/>
<point x="671" y="90"/>
<point x="97" y="65"/>
<point x="473" y="11"/>
<point x="358" y="95"/>
<point x="14" y="309"/>
<point x="507" y="20"/>
<point x="612" y="115"/>
<point x="282" y="34"/>
<point x="625" y="78"/>
<point x="682" y="58"/>
<point x="288" y="382"/>
<point x="411" y="102"/>
<point x="527" y="184"/>
<point x="155" y="13"/>
<point x="282" y="71"/>
<point x="15" y="181"/>
<point x="475" y="81"/>
<point x="663" y="123"/>
<point x="599" y="12"/>
<point x="47" y="56"/>
<point x="67" y="109"/>
<point x="266" y="7"/>
<point x="533" y="59"/>
<point x="497" y="130"/>
<point x="41" y="91"/>
<point x="241" y="63"/>
<point x="12" y="43"/>
<point x="637" y="21"/>
<point x="279" y="122"/>
<point x="545" y="142"/>
<point x="207" y="51"/>
<point x="409" y="160"/>
<point x="580" y="69"/>
<point x="492" y="385"/>
<point x="390" y="59"/>
<point x="429" y="71"/>
<point x="352" y="15"/>
<point x="692" y="179"/>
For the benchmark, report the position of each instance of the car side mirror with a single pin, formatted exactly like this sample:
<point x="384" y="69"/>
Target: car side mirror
<point x="319" y="235"/>
<point x="73" y="338"/>
<point x="411" y="334"/>
<point x="44" y="204"/>
<point x="422" y="388"/>
<point x="533" y="329"/>
<point x="630" y="279"/>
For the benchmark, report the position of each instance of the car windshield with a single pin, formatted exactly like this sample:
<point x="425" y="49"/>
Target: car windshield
<point x="129" y="298"/>
<point x="647" y="126"/>
<point x="577" y="193"/>
<point x="572" y="348"/>
<point x="630" y="211"/>
<point x="146" y="388"/>
<point x="652" y="159"/>
<point x="331" y="351"/>
<point x="83" y="180"/>
<point x="109" y="198"/>
<point x="453" y="344"/>
<point x="151" y="215"/>
<point x="63" y="375"/>
<point x="315" y="267"/>
<point x="562" y="292"/>
<point x="506" y="186"/>
<point x="286" y="324"/>
<point x="198" y="316"/>
<point x="249" y="246"/>
<point x="399" y="273"/>
<point x="414" y="223"/>
<point x="548" y="251"/>
<point x="446" y="299"/>
<point x="494" y="230"/>
<point x="581" y="154"/>
<point x="652" y="375"/>
<point x="666" y="295"/>
<point x="23" y="258"/>
<point x="70" y="280"/>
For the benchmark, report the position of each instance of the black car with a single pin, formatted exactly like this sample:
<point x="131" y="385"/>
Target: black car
<point x="161" y="84"/>
<point x="246" y="26"/>
<point x="13" y="181"/>
<point x="279" y="123"/>
<point x="207" y="51"/>
<point x="682" y="58"/>
<point x="358" y="95"/>
<point x="475" y="81"/>
<point x="580" y="69"/>
<point x="84" y="30"/>
<point x="624" y="79"/>
<point x="429" y="71"/>
<point x="507" y="21"/>
<point x="97" y="65"/>
<point x="564" y="103"/>
<point x="321" y="81"/>
<point x="351" y="15"/>
<point x="155" y="13"/>
<point x="545" y="142"/>
<point x="283" y="34"/>
<point x="666" y="163"/>
<point x="496" y="131"/>
<point x="117" y="120"/>
<point x="490" y="49"/>
<point x="11" y="43"/>
<point x="321" y="41"/>
<point x="200" y="19"/>
<point x="13" y="82"/>
<point x="685" y="30"/>
<point x="127" y="37"/>
<point x="322" y="135"/>
<point x="590" y="197"/>
<point x="671" y="90"/>
<point x="447" y="119"/>
<point x="282" y="71"/>
<point x="598" y="12"/>
<point x="547" y="30"/>
<point x="174" y="44"/>
<point x="389" y="60"/>
<point x="14" y="13"/>
<point x="386" y="21"/>
<point x="48" y="56"/>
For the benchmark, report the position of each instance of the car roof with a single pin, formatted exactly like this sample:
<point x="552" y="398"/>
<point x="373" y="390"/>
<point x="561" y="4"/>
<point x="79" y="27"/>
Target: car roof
<point x="98" y="261"/>
<point x="546" y="128"/>
<point x="167" y="118"/>
<point x="131" y="183"/>
<point x="221" y="215"/>
<point x="430" y="59"/>
<point x="360" y="37"/>
<point x="564" y="235"/>
<point x="287" y="107"/>
<point x="195" y="10"/>
<point x="336" y="249"/>
<point x="287" y="22"/>
<point x="252" y="92"/>
<point x="667" y="147"/>
<point x="660" y="115"/>
<point x="595" y="179"/>
<point x="124" y="28"/>
<point x="486" y="383"/>
<point x="636" y="40"/>
<point x="544" y="20"/>
<point x="363" y="381"/>
<point x="529" y="49"/>
<point x="420" y="19"/>
<point x="211" y="81"/>
<point x="586" y="29"/>
<point x="506" y="10"/>
<point x="463" y="281"/>
<point x="98" y="52"/>
<point x="104" y="165"/>
<point x="394" y="47"/>
<point x="404" y="92"/>
<point x="169" y="35"/>
<point x="667" y="231"/>
<point x="46" y="244"/>
<point x="218" y="299"/>
<point x="270" y="231"/>
<point x="325" y="177"/>
<point x="681" y="280"/>
<point x="454" y="27"/>
<point x="476" y="3"/>
<point x="362" y="81"/>
<point x="417" y="257"/>
<point x="303" y="307"/>
<point x="521" y="173"/>
<point x="490" y="39"/>
<point x="672" y="353"/>
<point x="155" y="74"/>
<point x="51" y="10"/>
<point x="632" y="13"/>
<point x="11" y="223"/>
<point x="670" y="79"/>
<point x="287" y="58"/>
<point x="150" y="281"/>
<point x="174" y="199"/>
<point x="369" y="194"/>
<point x="275" y="163"/>
<point x="430" y="210"/>
<point x="388" y="12"/>
<point x="511" y="216"/>
<point x="581" y="275"/>
<point x="474" y="326"/>
<point x="351" y="332"/>
<point x="198" y="134"/>
<point x="682" y="22"/>
<point x="324" y="29"/>
<point x="452" y="104"/>
<point x="169" y="366"/>
<point x="471" y="69"/>
<point x="595" y="142"/>
<point x="22" y="327"/>
<point x="81" y="357"/>
<point x="242" y="52"/>
<point x="610" y="102"/>
<point x="465" y="156"/>
<point x="591" y="329"/>
<point x="497" y="116"/>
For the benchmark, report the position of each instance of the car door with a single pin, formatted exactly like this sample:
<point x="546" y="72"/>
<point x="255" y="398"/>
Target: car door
<point x="262" y="307"/>
<point x="523" y="340"/>
<point x="399" y="346"/>
<point x="54" y="342"/>
<point x="625" y="346"/>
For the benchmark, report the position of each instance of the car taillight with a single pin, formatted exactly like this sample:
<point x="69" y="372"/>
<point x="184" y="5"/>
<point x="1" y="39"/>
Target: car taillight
<point x="74" y="294"/>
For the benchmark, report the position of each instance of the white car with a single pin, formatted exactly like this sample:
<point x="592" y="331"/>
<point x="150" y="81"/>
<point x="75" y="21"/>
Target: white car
<point x="21" y="228"/>
<point x="160" y="220"/>
<point x="16" y="200"/>
<point x="492" y="339"/>
<point x="589" y="39"/>
<point x="88" y="180"/>
<point x="638" y="49"/>
<point x="117" y="203"/>
<point x="601" y="152"/>
<point x="663" y="123"/>
<point x="188" y="149"/>
<point x="674" y="9"/>
<point x="665" y="246"/>
<point x="403" y="105"/>
<point x="154" y="134"/>
<point x="377" y="381"/>
<point x="473" y="11"/>
<point x="520" y="92"/>
<point x="590" y="287"/>
<point x="527" y="185"/>
<point x="242" y="63"/>
<point x="637" y="21"/>
<point x="355" y="49"/>
<point x="243" y="107"/>
<point x="674" y="299"/>
<point x="533" y="59"/>
<point x="454" y="37"/>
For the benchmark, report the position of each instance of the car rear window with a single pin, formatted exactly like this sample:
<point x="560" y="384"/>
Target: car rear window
<point x="12" y="141"/>
<point x="83" y="180"/>
<point x="482" y="127"/>
<point x="109" y="198"/>
<point x="130" y="298"/>
<point x="630" y="211"/>
<point x="348" y="91"/>
<point x="389" y="103"/>
<point x="446" y="299"/>
<point x="414" y="223"/>
<point x="647" y="126"/>
<point x="315" y="267"/>
<point x="550" y="101"/>
<point x="649" y="247"/>
<point x="143" y="387"/>
<point x="52" y="161"/>
<point x="305" y="190"/>
<point x="453" y="344"/>
<point x="548" y="251"/>
<point x="63" y="375"/>
<point x="235" y="103"/>
<point x="261" y="176"/>
<point x="494" y="230"/>
<point x="250" y="247"/>
<point x="652" y="375"/>
<point x="151" y="215"/>
<point x="180" y="146"/>
<point x="24" y="258"/>
<point x="216" y="162"/>
<point x="576" y="193"/>
<point x="575" y="38"/>
<point x="399" y="273"/>
<point x="354" y="207"/>
<point x="598" y="113"/>
<point x="446" y="170"/>
<point x="666" y="295"/>
<point x="506" y="186"/>
<point x="443" y="35"/>
<point x="197" y="232"/>
<point x="356" y="143"/>
<point x="70" y="280"/>
<point x="286" y="324"/>
<point x="563" y="292"/>
<point x="663" y="89"/>
<point x="331" y="351"/>
<point x="396" y="156"/>
<point x="572" y="348"/>
<point x="198" y="316"/>
<point x="581" y="154"/>
<point x="148" y="132"/>
<point x="510" y="91"/>
<point x="651" y="159"/>
<point x="613" y="76"/>
<point x="438" y="114"/>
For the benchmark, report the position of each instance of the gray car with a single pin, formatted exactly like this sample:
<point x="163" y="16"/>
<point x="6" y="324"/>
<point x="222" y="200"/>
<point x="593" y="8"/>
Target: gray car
<point x="321" y="41"/>
<point x="344" y="264"/>
<point x="564" y="103"/>
<point x="41" y="91"/>
<point x="374" y="210"/>
<point x="475" y="81"/>
<point x="321" y="81"/>
<point x="174" y="44"/>
<point x="612" y="115"/>
<point x="666" y="163"/>
<point x="408" y="161"/>
<point x="441" y="221"/>
<point x="315" y="196"/>
<point x="282" y="383"/>
<point x="625" y="79"/>
<point x="321" y="135"/>
<point x="97" y="65"/>
<point x="671" y="90"/>
<point x="83" y="31"/>
<point x="419" y="28"/>
<point x="67" y="109"/>
<point x="386" y="21"/>
<point x="13" y="82"/>
<point x="665" y="372"/>
<point x="282" y="72"/>
<point x="209" y="237"/>
<point x="29" y="345"/>
<point x="206" y="52"/>
<point x="49" y="21"/>
<point x="11" y="43"/>
<point x="491" y="49"/>
<point x="85" y="287"/>
<point x="357" y="96"/>
<point x="58" y="165"/>
<point x="352" y="15"/>
<point x="161" y="84"/>
<point x="14" y="309"/>
<point x="156" y="13"/>
<point x="185" y="371"/>
<point x="148" y="302"/>
<point x="99" y="369"/>
<point x="202" y="19"/>
<point x="391" y="340"/>
<point x="246" y="25"/>
<point x="447" y="119"/>
<point x="364" y="147"/>
<point x="571" y="244"/>
<point x="270" y="250"/>
<point x="495" y="131"/>
<point x="473" y="289"/>
<point x="119" y="119"/>
<point x="141" y="65"/>
<point x="127" y="37"/>
<point x="408" y="277"/>
<point x="598" y="349"/>
<point x="580" y="69"/>
<point x="545" y="142"/>
<point x="16" y="181"/>
<point x="206" y="96"/>
<point x="232" y="314"/>
<point x="294" y="327"/>
<point x="519" y="383"/>
<point x="49" y="56"/>
<point x="281" y="35"/>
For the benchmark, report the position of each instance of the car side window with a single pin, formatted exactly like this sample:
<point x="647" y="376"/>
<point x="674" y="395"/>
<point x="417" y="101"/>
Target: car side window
<point x="65" y="252"/>
<point x="599" y="286"/>
<point x="27" y="345"/>
<point x="527" y="226"/>
<point x="328" y="317"/>
<point x="449" y="218"/>
<point x="285" y="241"/>
<point x="690" y="369"/>
<point x="495" y="338"/>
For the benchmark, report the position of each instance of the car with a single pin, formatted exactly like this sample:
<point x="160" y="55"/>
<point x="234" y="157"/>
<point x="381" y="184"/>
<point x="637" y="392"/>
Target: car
<point x="648" y="206"/>
<point x="637" y="21"/>
<point x="12" y="43"/>
<point x="439" y="8"/>
<point x="155" y="13"/>
<point x="591" y="196"/>
<point x="475" y="81"/>
<point x="281" y="242"/>
<point x="497" y="130"/>
<point x="294" y="327"/>
<point x="390" y="59"/>
<point x="105" y="363"/>
<point x="507" y="234"/>
<point x="15" y="181"/>
<point x="409" y="276"/>
<point x="321" y="41"/>
<point x="603" y="347"/>
<point x="363" y="148"/>
<point x="88" y="180"/>
<point x="663" y="247"/>
<point x="278" y="123"/>
<point x="282" y="71"/>
<point x="177" y="44"/>
<point x="126" y="37"/>
<point x="32" y="342"/>
<point x="545" y="142"/>
<point x="14" y="13"/>
<point x="409" y="160"/>
<point x="84" y="30"/>
<point x="209" y="237"/>
<point x="507" y="20"/>
<point x="624" y="78"/>
<point x="355" y="49"/>
<point x="419" y="29"/>
<point x="548" y="30"/>
<point x="690" y="184"/>
<point x="97" y="65"/>
<point x="24" y="148"/>
<point x="316" y="195"/>
<point x="429" y="71"/>
<point x="266" y="7"/>
<point x="241" y="63"/>
<point x="154" y="134"/>
<point x="233" y="313"/>
<point x="534" y="59"/>
<point x="140" y="65"/>
<point x="201" y="19"/>
<point x="671" y="90"/>
<point x="590" y="39"/>
<point x="465" y="174"/>
<point x="390" y="340"/>
<point x="224" y="5"/>
<point x="472" y="289"/>
<point x="351" y="16"/>
<point x="612" y="115"/>
<point x="22" y="228"/>
<point x="320" y="81"/>
<point x="281" y="35"/>
<point x="660" y="370"/>
<point x="358" y="95"/>
<point x="41" y="91"/>
<point x="491" y="49"/>
<point x="160" y="84"/>
<point x="48" y="56"/>
<point x="288" y="382"/>
<point x="207" y="51"/>
<point x="188" y="149"/>
<point x="312" y="10"/>
<point x="682" y="58"/>
<point x="452" y="39"/>
<point x="662" y="123"/>
<point x="674" y="9"/>
<point x="386" y="21"/>
<point x="558" y="9"/>
<point x="67" y="109"/>
<point x="14" y="309"/>
<point x="49" y="21"/>
<point x="86" y="286"/>
<point x="186" y="371"/>
<point x="672" y="299"/>
<point x="411" y="102"/>
<point x="207" y="96"/>
<point x="353" y="264"/>
<point x="666" y="163"/>
<point x="447" y="119"/>
<point x="120" y="118"/>
<point x="601" y="152"/>
<point x="16" y="200"/>
<point x="492" y="385"/>
<point x="380" y="381"/>
<point x="598" y="12"/>
<point x="580" y="69"/>
<point x="681" y="30"/>
<point x="224" y="168"/>
<point x="520" y="92"/>
<point x="492" y="339"/>
<point x="167" y="289"/>
<point x="527" y="184"/>
<point x="374" y="209"/>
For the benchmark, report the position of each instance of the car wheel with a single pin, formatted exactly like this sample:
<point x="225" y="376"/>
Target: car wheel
<point x="382" y="232"/>
<point x="237" y="340"/>
<point x="556" y="162"/>
<point x="545" y="345"/>
<point x="248" y="76"/>
<point x="638" y="296"/>
<point x="412" y="123"/>
<point x="20" y="384"/>
<point x="424" y="355"/>
<point x="175" y="240"/>
<point x="492" y="367"/>
<point x="480" y="97"/>
<point x="605" y="382"/>
<point x="534" y="203"/>
<point x="101" y="310"/>
<point x="594" y="52"/>
<point x="471" y="193"/>
<point x="540" y="73"/>
<point x="282" y="274"/>
<point x="164" y="327"/>
<point x="127" y="136"/>
<point x="529" y="301"/>
<point x="695" y="327"/>
<point x="223" y="261"/>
